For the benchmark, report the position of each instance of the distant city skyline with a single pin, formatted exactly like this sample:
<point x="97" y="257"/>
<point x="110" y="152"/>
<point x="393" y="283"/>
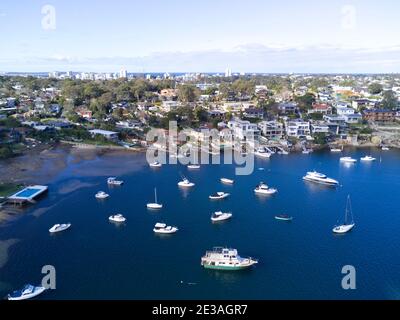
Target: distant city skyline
<point x="256" y="36"/>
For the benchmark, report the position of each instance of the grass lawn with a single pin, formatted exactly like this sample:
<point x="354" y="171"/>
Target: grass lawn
<point x="8" y="189"/>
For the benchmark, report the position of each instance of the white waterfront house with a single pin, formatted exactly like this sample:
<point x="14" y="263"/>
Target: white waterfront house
<point x="297" y="128"/>
<point x="319" y="127"/>
<point x="109" y="135"/>
<point x="242" y="129"/>
<point x="271" y="129"/>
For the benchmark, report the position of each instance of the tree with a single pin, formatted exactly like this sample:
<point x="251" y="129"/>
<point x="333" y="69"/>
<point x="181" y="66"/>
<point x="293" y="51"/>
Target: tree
<point x="188" y="93"/>
<point x="390" y="100"/>
<point x="6" y="152"/>
<point x="320" y="138"/>
<point x="305" y="102"/>
<point x="375" y="88"/>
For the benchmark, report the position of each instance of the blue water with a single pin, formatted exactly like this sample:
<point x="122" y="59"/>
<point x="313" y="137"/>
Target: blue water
<point x="303" y="259"/>
<point x="27" y="193"/>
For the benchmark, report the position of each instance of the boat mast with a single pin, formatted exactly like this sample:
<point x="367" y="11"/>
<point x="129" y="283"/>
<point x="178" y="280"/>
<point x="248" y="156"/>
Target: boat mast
<point x="348" y="209"/>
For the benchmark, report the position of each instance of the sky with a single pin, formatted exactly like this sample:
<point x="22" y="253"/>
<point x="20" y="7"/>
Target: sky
<point x="252" y="36"/>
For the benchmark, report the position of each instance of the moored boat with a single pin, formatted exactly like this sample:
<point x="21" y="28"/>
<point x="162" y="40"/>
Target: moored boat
<point x="164" y="229"/>
<point x="117" y="218"/>
<point x="219" y="196"/>
<point x="114" y="182"/>
<point x="226" y="259"/>
<point x="263" y="189"/>
<point x="27" y="292"/>
<point x="320" y="178"/>
<point x="284" y="217"/>
<point x="101" y="195"/>
<point x="59" y="227"/>
<point x="227" y="181"/>
<point x="220" y="216"/>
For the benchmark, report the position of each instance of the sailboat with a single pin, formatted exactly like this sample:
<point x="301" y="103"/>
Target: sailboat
<point x="155" y="205"/>
<point x="348" y="220"/>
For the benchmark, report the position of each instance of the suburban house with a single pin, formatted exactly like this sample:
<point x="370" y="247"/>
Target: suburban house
<point x="319" y="127"/>
<point x="169" y="93"/>
<point x="271" y="129"/>
<point x="349" y="114"/>
<point x="363" y="103"/>
<point x="109" y="135"/>
<point x="169" y="105"/>
<point x="287" y="107"/>
<point x="84" y="112"/>
<point x="379" y="115"/>
<point x="297" y="128"/>
<point x="320" y="108"/>
<point x="241" y="129"/>
<point x="254" y="113"/>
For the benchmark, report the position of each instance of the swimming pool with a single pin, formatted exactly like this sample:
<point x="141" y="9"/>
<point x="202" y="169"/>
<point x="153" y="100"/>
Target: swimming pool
<point x="27" y="193"/>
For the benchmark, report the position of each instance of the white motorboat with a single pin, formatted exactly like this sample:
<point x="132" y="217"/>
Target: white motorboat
<point x="348" y="160"/>
<point x="155" y="164"/>
<point x="59" y="227"/>
<point x="226" y="259"/>
<point x="101" y="195"/>
<point x="220" y="216"/>
<point x="117" y="218"/>
<point x="155" y="205"/>
<point x="348" y="220"/>
<point x="336" y="150"/>
<point x="262" y="153"/>
<point x="193" y="166"/>
<point x="27" y="292"/>
<point x="227" y="181"/>
<point x="284" y="217"/>
<point x="114" y="182"/>
<point x="263" y="189"/>
<point x="320" y="178"/>
<point x="185" y="183"/>
<point x="219" y="196"/>
<point x="385" y="148"/>
<point x="368" y="159"/>
<point x="164" y="229"/>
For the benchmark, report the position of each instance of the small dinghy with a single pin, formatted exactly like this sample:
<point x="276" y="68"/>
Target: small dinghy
<point x="284" y="217"/>
<point x="219" y="196"/>
<point x="227" y="181"/>
<point x="59" y="227"/>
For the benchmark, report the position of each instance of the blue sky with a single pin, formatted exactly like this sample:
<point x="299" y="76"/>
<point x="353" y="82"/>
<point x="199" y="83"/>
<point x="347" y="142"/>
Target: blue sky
<point x="201" y="36"/>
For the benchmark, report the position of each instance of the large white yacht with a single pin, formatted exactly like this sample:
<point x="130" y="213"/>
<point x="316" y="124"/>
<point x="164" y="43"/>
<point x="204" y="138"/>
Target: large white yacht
<point x="320" y="178"/>
<point x="263" y="189"/>
<point x="226" y="259"/>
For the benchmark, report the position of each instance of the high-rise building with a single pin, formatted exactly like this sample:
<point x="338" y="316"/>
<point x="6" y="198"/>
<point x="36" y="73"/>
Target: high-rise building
<point x="123" y="73"/>
<point x="228" y="72"/>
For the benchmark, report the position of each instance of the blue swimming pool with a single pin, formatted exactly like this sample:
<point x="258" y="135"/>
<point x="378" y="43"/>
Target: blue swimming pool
<point x="27" y="193"/>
